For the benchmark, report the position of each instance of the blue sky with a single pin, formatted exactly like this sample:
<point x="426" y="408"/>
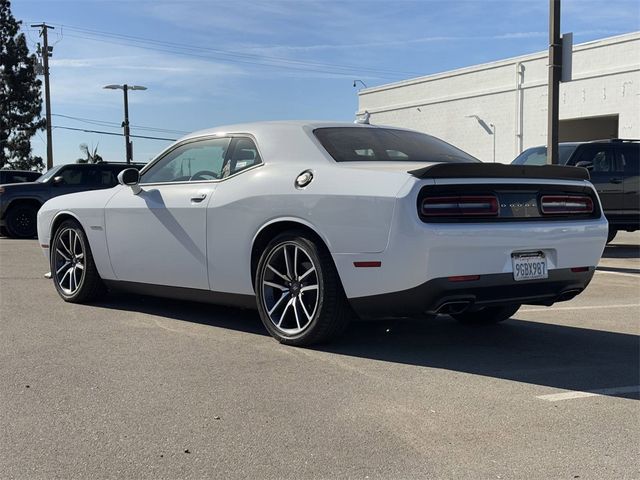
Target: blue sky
<point x="209" y="63"/>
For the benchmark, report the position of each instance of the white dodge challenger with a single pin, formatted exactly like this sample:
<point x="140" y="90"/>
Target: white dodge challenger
<point x="312" y="221"/>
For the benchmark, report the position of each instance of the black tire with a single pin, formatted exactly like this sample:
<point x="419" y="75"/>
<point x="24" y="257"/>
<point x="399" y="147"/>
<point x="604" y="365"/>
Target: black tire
<point x="331" y="312"/>
<point x="612" y="234"/>
<point x="22" y="221"/>
<point x="65" y="257"/>
<point x="487" y="315"/>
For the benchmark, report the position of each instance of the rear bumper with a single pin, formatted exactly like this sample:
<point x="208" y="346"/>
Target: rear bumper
<point x="440" y="295"/>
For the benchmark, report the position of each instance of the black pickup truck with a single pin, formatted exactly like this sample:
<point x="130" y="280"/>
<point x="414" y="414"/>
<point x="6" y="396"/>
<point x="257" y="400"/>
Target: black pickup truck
<point x="614" y="166"/>
<point x="20" y="202"/>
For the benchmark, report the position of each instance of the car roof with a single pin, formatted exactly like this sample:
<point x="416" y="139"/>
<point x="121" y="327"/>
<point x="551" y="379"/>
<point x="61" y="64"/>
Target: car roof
<point x="258" y="128"/>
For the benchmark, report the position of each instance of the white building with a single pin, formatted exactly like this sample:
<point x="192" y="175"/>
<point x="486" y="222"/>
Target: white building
<point x="465" y="106"/>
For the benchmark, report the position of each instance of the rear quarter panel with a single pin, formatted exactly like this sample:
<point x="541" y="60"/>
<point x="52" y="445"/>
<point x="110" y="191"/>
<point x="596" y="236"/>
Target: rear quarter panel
<point x="350" y="210"/>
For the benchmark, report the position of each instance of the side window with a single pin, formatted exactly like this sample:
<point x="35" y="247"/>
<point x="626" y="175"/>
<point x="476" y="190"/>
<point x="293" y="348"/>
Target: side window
<point x="245" y="154"/>
<point x="600" y="157"/>
<point x="72" y="176"/>
<point x="629" y="158"/>
<point x="107" y="177"/>
<point x="16" y="177"/>
<point x="193" y="161"/>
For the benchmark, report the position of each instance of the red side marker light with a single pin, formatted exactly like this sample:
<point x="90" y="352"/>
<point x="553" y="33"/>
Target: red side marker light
<point x="367" y="264"/>
<point x="44" y="246"/>
<point x="464" y="278"/>
<point x="579" y="269"/>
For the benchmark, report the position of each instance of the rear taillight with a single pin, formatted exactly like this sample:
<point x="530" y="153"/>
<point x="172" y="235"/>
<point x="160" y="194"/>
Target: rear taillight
<point x="460" y="206"/>
<point x="565" y="204"/>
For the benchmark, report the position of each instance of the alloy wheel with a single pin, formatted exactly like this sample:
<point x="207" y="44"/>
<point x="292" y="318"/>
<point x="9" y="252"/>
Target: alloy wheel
<point x="69" y="261"/>
<point x="290" y="288"/>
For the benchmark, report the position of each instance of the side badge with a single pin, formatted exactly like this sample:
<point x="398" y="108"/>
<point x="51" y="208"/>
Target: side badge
<point x="304" y="179"/>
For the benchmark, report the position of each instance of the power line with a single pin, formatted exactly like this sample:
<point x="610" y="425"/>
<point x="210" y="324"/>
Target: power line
<point x="233" y="53"/>
<point x="106" y="123"/>
<point x="229" y="56"/>
<point x="112" y="133"/>
<point x="227" y="60"/>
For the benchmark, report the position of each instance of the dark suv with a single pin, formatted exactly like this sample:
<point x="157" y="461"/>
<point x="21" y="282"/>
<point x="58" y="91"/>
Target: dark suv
<point x="614" y="166"/>
<point x="20" y="202"/>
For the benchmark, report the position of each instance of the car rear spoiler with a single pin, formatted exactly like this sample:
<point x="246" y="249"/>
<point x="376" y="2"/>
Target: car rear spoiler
<point x="499" y="170"/>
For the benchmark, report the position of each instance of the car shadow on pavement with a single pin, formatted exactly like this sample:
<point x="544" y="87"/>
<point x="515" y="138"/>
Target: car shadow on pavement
<point x="545" y="354"/>
<point x="563" y="357"/>
<point x="238" y="319"/>
<point x="621" y="250"/>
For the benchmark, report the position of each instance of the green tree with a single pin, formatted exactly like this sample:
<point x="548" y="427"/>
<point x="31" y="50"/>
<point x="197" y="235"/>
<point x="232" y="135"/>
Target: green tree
<point x="20" y="99"/>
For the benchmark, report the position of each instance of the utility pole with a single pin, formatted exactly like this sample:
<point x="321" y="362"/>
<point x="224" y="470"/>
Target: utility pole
<point x="555" y="71"/>
<point x="125" y="124"/>
<point x="47" y="52"/>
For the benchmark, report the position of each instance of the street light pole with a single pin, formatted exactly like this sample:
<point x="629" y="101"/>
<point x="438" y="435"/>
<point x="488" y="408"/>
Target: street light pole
<point x="125" y="88"/>
<point x="490" y="129"/>
<point x="493" y="127"/>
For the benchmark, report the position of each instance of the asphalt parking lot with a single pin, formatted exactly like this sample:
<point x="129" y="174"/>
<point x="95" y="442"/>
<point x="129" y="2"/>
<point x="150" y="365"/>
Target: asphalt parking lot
<point x="148" y="388"/>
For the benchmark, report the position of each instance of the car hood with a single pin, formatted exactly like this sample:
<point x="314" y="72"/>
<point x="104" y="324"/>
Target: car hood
<point x="24" y="187"/>
<point x="85" y="200"/>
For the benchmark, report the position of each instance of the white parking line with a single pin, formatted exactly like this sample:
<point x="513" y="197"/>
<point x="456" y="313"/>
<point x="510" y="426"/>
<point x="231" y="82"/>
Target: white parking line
<point x="556" y="397"/>
<point x="634" y="275"/>
<point x="585" y="307"/>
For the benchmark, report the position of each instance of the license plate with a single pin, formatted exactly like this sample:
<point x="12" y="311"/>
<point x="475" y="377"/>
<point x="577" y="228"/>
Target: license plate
<point x="529" y="266"/>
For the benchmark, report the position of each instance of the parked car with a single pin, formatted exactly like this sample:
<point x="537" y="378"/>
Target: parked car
<point x="19" y="202"/>
<point x="309" y="221"/>
<point x="614" y="166"/>
<point x="18" y="176"/>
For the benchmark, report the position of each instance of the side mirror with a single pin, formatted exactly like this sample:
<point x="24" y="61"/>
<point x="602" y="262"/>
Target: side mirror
<point x="131" y="178"/>
<point x="585" y="164"/>
<point x="59" y="180"/>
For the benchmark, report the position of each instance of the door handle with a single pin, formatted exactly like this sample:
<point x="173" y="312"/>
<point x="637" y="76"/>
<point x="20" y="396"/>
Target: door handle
<point x="199" y="197"/>
<point x="615" y="180"/>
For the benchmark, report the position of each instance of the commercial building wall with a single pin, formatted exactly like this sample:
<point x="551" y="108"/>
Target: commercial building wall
<point x="510" y="96"/>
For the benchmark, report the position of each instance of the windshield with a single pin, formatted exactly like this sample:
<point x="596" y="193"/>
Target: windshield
<point x="538" y="155"/>
<point x="50" y="173"/>
<point x="359" y="144"/>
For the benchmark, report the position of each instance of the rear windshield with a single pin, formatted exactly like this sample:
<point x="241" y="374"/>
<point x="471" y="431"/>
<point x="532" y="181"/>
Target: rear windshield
<point x="360" y="144"/>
